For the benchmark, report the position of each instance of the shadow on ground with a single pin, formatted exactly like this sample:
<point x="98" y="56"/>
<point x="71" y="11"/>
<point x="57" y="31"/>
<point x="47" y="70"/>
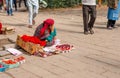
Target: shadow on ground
<point x="10" y="24"/>
<point x="69" y="31"/>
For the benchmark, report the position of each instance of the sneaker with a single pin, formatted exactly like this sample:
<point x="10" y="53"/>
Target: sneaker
<point x="91" y="31"/>
<point x="86" y="32"/>
<point x="110" y="28"/>
<point x="11" y="14"/>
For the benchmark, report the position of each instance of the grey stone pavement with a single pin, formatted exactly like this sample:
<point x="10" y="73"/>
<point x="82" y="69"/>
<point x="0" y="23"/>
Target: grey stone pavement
<point x="95" y="56"/>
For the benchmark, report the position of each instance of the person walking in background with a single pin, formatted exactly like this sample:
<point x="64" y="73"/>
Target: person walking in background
<point x="89" y="9"/>
<point x="113" y="13"/>
<point x="24" y="3"/>
<point x="33" y="7"/>
<point x="9" y="4"/>
<point x="15" y="4"/>
<point x="1" y="3"/>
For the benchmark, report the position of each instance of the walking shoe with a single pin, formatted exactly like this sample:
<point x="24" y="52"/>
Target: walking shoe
<point x="91" y="31"/>
<point x="29" y="26"/>
<point x="86" y="32"/>
<point x="110" y="28"/>
<point x="11" y="14"/>
<point x="33" y="22"/>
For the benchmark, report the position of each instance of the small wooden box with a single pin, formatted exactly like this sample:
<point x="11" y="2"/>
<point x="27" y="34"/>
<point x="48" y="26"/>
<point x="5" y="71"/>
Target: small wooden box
<point x="8" y="30"/>
<point x="28" y="46"/>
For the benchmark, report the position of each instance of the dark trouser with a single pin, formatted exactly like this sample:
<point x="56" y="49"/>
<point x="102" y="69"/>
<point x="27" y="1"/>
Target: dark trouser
<point x="15" y="4"/>
<point x="24" y="3"/>
<point x="1" y="3"/>
<point x="111" y="23"/>
<point x="89" y="11"/>
<point x="9" y="7"/>
<point x="0" y="7"/>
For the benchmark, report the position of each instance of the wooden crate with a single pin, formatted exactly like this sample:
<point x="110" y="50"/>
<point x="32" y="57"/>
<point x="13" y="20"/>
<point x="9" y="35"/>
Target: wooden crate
<point x="28" y="46"/>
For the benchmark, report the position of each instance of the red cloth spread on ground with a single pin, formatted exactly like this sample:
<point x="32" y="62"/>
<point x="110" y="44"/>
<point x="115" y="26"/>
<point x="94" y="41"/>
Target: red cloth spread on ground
<point x="46" y="24"/>
<point x="0" y="27"/>
<point x="33" y="39"/>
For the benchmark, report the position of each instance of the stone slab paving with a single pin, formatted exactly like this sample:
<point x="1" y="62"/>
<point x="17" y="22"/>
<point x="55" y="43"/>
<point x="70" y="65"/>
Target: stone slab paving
<point x="95" y="56"/>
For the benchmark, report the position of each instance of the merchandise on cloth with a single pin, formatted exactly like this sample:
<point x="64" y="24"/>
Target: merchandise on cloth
<point x="53" y="47"/>
<point x="11" y="63"/>
<point x="64" y="47"/>
<point x="14" y="51"/>
<point x="20" y="59"/>
<point x="48" y="51"/>
<point x="33" y="39"/>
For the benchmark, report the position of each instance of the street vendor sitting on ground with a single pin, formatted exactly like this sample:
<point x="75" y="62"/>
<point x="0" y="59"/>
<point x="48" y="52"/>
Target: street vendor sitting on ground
<point x="46" y="31"/>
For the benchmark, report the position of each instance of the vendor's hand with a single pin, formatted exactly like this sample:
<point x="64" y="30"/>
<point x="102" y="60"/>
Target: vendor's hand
<point x="46" y="40"/>
<point x="55" y="38"/>
<point x="52" y="28"/>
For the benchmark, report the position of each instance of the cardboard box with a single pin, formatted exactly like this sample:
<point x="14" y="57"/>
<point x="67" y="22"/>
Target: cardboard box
<point x="28" y="46"/>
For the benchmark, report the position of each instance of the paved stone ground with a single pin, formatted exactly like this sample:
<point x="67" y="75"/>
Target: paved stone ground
<point x="95" y="56"/>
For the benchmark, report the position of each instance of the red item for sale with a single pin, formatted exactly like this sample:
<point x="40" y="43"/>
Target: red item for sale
<point x="9" y="61"/>
<point x="33" y="39"/>
<point x="0" y="28"/>
<point x="64" y="47"/>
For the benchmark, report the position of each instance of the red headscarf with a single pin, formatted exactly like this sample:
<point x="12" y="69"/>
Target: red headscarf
<point x="47" y="23"/>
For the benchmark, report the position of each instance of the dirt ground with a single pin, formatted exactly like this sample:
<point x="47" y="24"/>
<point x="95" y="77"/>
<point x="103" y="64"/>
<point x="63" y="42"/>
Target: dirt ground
<point x="94" y="56"/>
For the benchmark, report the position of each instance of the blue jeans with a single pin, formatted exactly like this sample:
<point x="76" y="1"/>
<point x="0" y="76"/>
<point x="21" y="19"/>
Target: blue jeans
<point x="9" y="4"/>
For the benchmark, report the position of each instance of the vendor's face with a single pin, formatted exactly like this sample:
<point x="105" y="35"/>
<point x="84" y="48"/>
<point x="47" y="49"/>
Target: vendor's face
<point x="51" y="27"/>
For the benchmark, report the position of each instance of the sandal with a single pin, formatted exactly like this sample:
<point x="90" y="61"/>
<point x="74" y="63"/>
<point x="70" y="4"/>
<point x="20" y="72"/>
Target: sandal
<point x="29" y="26"/>
<point x="33" y="22"/>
